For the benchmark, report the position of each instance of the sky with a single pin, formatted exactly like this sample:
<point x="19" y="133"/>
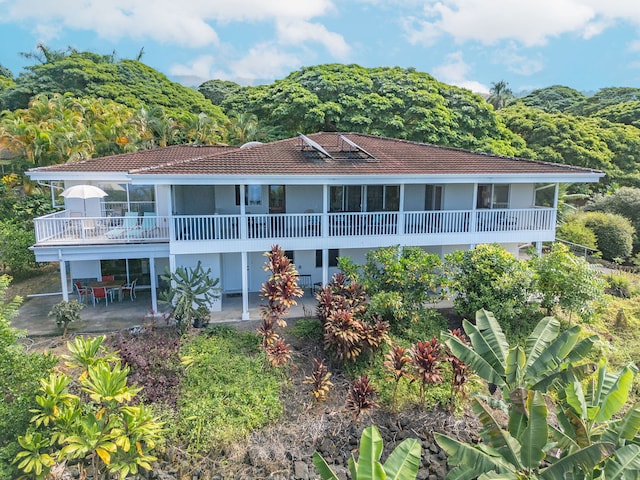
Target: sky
<point x="583" y="44"/>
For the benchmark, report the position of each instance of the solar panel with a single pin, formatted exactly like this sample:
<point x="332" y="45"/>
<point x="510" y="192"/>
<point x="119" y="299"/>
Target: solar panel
<point x="355" y="145"/>
<point x="314" y="145"/>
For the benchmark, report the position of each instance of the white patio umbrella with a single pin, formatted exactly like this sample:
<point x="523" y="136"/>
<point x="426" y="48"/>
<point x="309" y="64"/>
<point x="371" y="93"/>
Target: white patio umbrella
<point x="84" y="192"/>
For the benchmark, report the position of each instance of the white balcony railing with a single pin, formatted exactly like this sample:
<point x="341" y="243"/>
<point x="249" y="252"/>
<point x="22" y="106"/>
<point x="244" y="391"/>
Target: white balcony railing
<point x="60" y="228"/>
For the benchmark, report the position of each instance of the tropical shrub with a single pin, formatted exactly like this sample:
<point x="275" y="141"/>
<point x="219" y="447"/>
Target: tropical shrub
<point x="490" y="278"/>
<point x="100" y="430"/>
<point x="66" y="313"/>
<point x="402" y="463"/>
<point x="575" y="231"/>
<point x="361" y="397"/>
<point x="319" y="380"/>
<point x="15" y="255"/>
<point x="20" y="372"/>
<point x="614" y="234"/>
<point x="566" y="281"/>
<point x="624" y="201"/>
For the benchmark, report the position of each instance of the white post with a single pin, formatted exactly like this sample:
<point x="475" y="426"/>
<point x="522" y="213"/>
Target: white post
<point x="154" y="285"/>
<point x="325" y="211"/>
<point x="325" y="266"/>
<point x="245" y="286"/>
<point x="474" y="211"/>
<point x="63" y="278"/>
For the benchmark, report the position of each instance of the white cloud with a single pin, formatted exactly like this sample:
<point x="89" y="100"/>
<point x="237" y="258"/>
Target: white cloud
<point x="516" y="62"/>
<point x="297" y="32"/>
<point x="527" y="22"/>
<point x="188" y="23"/>
<point x="456" y="71"/>
<point x="263" y="61"/>
<point x="200" y="67"/>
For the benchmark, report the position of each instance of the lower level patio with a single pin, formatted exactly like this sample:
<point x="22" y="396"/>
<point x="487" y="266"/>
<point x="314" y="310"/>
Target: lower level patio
<point x="32" y="315"/>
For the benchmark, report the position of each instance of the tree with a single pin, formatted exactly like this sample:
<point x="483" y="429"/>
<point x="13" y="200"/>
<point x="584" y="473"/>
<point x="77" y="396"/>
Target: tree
<point x="566" y="281"/>
<point x="614" y="233"/>
<point x="217" y="91"/>
<point x="556" y="98"/>
<point x="500" y="95"/>
<point x="624" y="201"/>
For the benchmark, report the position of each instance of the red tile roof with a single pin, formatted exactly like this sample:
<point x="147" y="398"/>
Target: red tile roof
<point x="349" y="154"/>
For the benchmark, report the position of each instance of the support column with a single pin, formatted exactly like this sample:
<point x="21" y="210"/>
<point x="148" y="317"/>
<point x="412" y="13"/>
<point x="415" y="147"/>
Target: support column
<point x="474" y="212"/>
<point x="325" y="211"/>
<point x="245" y="286"/>
<point x="401" y="217"/>
<point x="154" y="285"/>
<point x="243" y="214"/>
<point x="325" y="266"/>
<point x="63" y="278"/>
<point x="539" y="248"/>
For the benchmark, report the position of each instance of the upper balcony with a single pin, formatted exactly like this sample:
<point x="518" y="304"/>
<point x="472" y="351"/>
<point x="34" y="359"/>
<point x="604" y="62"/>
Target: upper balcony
<point x="464" y="226"/>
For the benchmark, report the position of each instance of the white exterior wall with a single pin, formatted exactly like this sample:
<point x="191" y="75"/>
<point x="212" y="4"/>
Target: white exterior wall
<point x="521" y="195"/>
<point x="458" y="197"/>
<point x="414" y="198"/>
<point x="162" y="200"/>
<point x="85" y="269"/>
<point x="300" y="198"/>
<point x="210" y="260"/>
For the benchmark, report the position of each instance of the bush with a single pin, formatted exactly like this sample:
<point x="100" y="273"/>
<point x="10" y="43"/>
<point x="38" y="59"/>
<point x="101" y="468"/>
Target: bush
<point x="626" y="202"/>
<point x="614" y="234"/>
<point x="15" y="255"/>
<point x="578" y="233"/>
<point x="20" y="373"/>
<point x="490" y="278"/>
<point x="65" y="313"/>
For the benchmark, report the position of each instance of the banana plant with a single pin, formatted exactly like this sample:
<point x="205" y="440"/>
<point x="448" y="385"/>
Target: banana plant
<point x="550" y="357"/>
<point x="594" y="415"/>
<point x="403" y="462"/>
<point x="516" y="453"/>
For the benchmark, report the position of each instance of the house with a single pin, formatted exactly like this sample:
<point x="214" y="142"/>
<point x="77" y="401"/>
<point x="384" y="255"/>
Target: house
<point x="319" y="197"/>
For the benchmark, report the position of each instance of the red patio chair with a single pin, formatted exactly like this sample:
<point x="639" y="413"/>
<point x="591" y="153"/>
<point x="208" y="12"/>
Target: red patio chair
<point x="100" y="292"/>
<point x="108" y="278"/>
<point x="129" y="288"/>
<point x="83" y="292"/>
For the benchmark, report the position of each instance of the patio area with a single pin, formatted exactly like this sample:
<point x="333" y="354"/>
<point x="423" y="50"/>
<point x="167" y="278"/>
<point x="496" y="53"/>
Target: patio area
<point x="32" y="315"/>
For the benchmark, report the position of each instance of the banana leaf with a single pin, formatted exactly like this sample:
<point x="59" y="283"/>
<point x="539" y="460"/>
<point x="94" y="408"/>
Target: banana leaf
<point x="403" y="462"/>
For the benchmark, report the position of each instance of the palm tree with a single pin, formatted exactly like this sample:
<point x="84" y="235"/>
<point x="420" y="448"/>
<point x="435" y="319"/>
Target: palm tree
<point x="500" y="94"/>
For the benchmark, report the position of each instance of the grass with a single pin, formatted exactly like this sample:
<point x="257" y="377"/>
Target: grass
<point x="228" y="389"/>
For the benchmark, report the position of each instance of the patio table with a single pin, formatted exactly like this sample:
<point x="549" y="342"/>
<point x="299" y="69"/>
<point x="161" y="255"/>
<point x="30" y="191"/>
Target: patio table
<point x="110" y="285"/>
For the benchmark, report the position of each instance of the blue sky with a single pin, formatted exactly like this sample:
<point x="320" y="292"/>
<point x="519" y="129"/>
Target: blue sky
<point x="583" y="44"/>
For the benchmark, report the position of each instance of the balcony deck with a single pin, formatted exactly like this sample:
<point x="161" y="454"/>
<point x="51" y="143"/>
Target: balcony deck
<point x="62" y="229"/>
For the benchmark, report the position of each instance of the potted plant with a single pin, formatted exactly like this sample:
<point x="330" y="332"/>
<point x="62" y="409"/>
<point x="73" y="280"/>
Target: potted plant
<point x="189" y="289"/>
<point x="65" y="313"/>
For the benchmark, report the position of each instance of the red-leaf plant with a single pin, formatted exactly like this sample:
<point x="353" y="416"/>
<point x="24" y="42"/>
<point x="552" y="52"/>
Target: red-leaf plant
<point x="426" y="358"/>
<point x="361" y="397"/>
<point x="460" y="370"/>
<point x="319" y="380"/>
<point x="397" y="362"/>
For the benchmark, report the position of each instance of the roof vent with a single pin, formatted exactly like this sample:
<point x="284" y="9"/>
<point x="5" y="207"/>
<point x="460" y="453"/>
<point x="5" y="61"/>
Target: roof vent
<point x="250" y="144"/>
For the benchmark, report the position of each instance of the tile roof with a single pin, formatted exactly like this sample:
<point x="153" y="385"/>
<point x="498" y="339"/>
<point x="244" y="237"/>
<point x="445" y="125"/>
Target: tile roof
<point x="349" y="154"/>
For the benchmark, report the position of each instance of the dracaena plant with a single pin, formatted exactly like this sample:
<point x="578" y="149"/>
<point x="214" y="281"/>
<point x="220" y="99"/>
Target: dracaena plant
<point x="361" y="397"/>
<point x="279" y="291"/>
<point x="397" y="363"/>
<point x="426" y="359"/>
<point x="319" y="380"/>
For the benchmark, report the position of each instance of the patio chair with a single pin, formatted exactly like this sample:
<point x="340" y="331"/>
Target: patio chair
<point x="100" y="292"/>
<point x="148" y="225"/>
<point x="129" y="288"/>
<point x="129" y="224"/>
<point x="83" y="292"/>
<point x="108" y="278"/>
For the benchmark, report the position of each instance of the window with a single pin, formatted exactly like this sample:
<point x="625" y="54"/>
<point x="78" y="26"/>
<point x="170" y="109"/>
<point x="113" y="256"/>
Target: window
<point x="433" y="197"/>
<point x="333" y="258"/>
<point x="252" y="195"/>
<point x="379" y="198"/>
<point x="493" y="196"/>
<point x="135" y="267"/>
<point x="142" y="198"/>
<point x="289" y="254"/>
<point x="545" y="194"/>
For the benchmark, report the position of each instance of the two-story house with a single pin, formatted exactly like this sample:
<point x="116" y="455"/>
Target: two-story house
<point x="319" y="197"/>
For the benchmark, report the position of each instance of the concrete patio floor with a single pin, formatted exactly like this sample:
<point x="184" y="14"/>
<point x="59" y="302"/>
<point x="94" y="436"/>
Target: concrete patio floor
<point x="32" y="315"/>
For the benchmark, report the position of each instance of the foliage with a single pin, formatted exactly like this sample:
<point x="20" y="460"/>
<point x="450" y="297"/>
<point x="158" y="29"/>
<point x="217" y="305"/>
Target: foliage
<point x="15" y="255"/>
<point x="361" y="397"/>
<point x="20" y="372"/>
<point x="154" y="362"/>
<point x="319" y="380"/>
<point x="575" y="231"/>
<point x="624" y="201"/>
<point x="189" y="289"/>
<point x="426" y="358"/>
<point x="402" y="463"/>
<point x="619" y="285"/>
<point x="566" y="281"/>
<point x="397" y="363"/>
<point x="86" y="74"/>
<point x="279" y="291"/>
<point x="488" y="277"/>
<point x="556" y="98"/>
<point x="392" y="102"/>
<point x="401" y="282"/>
<point x="549" y="355"/>
<point x="217" y="91"/>
<point x="580" y="141"/>
<point x="99" y="429"/>
<point x="65" y="313"/>
<point x="500" y="95"/>
<point x="227" y="389"/>
<point x="614" y="233"/>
